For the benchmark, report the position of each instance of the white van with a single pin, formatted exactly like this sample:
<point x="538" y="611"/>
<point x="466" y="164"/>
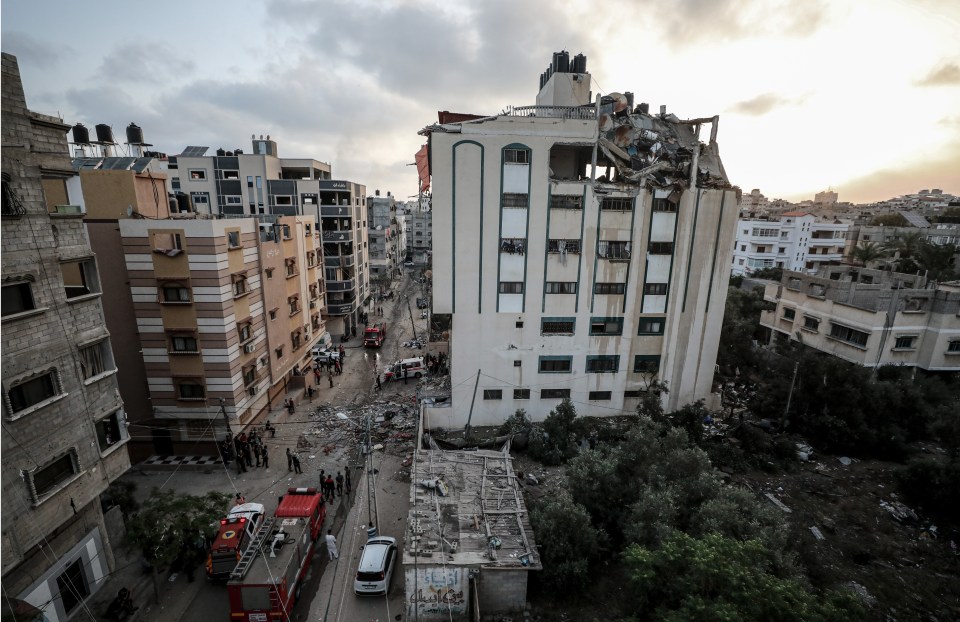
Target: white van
<point x="376" y="566"/>
<point x="414" y="368"/>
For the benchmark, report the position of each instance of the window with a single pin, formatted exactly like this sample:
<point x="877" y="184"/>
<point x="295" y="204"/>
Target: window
<point x="743" y="247"/>
<point x="183" y="344"/>
<point x="633" y="393"/>
<point x="646" y="364"/>
<point x="765" y="233"/>
<point x="566" y="201"/>
<point x="239" y="285"/>
<point x="291" y="267"/>
<point x="905" y="342"/>
<point x="47" y="478"/>
<point x="613" y="250"/>
<point x="279" y="352"/>
<point x="269" y="272"/>
<point x="515" y="199"/>
<point x="174" y="293"/>
<point x="96" y="359"/>
<point x="604" y="363"/>
<point x="849" y="335"/>
<point x="33" y="391"/>
<point x="249" y="375"/>
<point x="650" y="326"/>
<point x="108" y="430"/>
<point x="232" y="200"/>
<point x="781" y="250"/>
<point x="563" y="246"/>
<point x="761" y="249"/>
<point x="661" y="248"/>
<point x="72" y="586"/>
<point x="296" y="339"/>
<point x="561" y="287"/>
<point x="516" y="156"/>
<point x="519" y="324"/>
<point x="167" y="243"/>
<point x="616" y="204"/>
<point x="245" y="331"/>
<point x="811" y="323"/>
<point x="80" y="278"/>
<point x="521" y="394"/>
<point x="789" y="314"/>
<point x="286" y="200"/>
<point x="663" y="205"/>
<point x="555" y="364"/>
<point x="511" y="287"/>
<point x="557" y="326"/>
<point x="273" y="314"/>
<point x="294" y="303"/>
<point x="198" y="174"/>
<point x="191" y="390"/>
<point x="609" y="288"/>
<point x="493" y="394"/>
<point x="233" y="239"/>
<point x="228" y="174"/>
<point x="655" y="289"/>
<point x="286" y="232"/>
<point x="599" y="396"/>
<point x="554" y="394"/>
<point x="953" y="347"/>
<point x="17" y="298"/>
<point x="513" y="246"/>
<point x="606" y="325"/>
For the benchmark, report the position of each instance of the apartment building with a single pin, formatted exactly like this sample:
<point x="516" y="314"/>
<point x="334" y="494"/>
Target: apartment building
<point x="869" y="317"/>
<point x="589" y="242"/>
<point x="385" y="254"/>
<point x="419" y="227"/>
<point x="64" y="425"/>
<point x="941" y="234"/>
<point x="799" y="241"/>
<point x="268" y="186"/>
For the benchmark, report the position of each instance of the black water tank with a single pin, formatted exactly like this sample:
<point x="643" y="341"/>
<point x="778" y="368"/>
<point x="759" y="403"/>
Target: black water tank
<point x="221" y="152"/>
<point x="563" y="65"/>
<point x="134" y="134"/>
<point x="238" y="151"/>
<point x="172" y="203"/>
<point x="81" y="135"/>
<point x="183" y="202"/>
<point x="629" y="97"/>
<point x="645" y="108"/>
<point x="104" y="133"/>
<point x="230" y="153"/>
<point x="579" y="64"/>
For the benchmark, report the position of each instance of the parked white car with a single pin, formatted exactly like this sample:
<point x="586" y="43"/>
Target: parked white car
<point x="376" y="566"/>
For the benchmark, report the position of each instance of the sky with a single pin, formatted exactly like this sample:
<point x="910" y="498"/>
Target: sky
<point x="861" y="96"/>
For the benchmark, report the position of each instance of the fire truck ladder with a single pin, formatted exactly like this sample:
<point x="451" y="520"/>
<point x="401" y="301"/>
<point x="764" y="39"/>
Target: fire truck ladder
<point x="253" y="548"/>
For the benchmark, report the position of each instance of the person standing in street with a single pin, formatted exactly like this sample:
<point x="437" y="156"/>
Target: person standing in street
<point x="339" y="480"/>
<point x="405" y="374"/>
<point x="377" y="377"/>
<point x="256" y="453"/>
<point x="331" y="545"/>
<point x="330" y="378"/>
<point x="296" y="464"/>
<point x="329" y="486"/>
<point x="265" y="456"/>
<point x="289" y="460"/>
<point x="346" y="479"/>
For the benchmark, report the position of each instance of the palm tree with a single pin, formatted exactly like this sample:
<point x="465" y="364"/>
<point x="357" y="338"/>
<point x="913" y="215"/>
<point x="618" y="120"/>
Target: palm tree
<point x="904" y="249"/>
<point x="867" y="252"/>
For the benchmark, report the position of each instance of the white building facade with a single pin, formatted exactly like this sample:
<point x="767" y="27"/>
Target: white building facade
<point x="570" y="271"/>
<point x="798" y="241"/>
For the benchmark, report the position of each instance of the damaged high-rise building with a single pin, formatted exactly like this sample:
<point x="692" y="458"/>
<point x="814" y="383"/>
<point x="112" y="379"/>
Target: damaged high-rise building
<point x="586" y="251"/>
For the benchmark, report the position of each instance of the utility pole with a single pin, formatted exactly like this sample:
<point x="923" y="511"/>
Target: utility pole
<point x="369" y="462"/>
<point x="412" y="323"/>
<point x="226" y="419"/>
<point x="786" y="411"/>
<point x="466" y="430"/>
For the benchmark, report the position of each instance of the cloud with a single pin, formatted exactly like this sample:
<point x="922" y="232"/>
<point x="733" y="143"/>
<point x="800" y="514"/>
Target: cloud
<point x="685" y="23"/>
<point x="934" y="171"/>
<point x="143" y="63"/>
<point x="947" y="74"/>
<point x="32" y="51"/>
<point x="762" y="104"/>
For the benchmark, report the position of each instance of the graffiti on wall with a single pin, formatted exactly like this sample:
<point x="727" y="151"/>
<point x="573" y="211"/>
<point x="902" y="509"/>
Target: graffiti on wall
<point x="435" y="593"/>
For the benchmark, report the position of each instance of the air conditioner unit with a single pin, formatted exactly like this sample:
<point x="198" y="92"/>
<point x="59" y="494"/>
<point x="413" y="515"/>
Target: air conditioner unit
<point x="249" y="348"/>
<point x="252" y="390"/>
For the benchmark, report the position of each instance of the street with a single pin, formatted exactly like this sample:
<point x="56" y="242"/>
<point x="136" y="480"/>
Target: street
<point x="325" y="433"/>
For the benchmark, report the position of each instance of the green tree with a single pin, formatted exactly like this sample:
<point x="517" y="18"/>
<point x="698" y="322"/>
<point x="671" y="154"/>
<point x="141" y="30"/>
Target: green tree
<point x="937" y="261"/>
<point x="890" y="220"/>
<point x="741" y="326"/>
<point x="717" y="578"/>
<point x="169" y="522"/>
<point x="905" y="248"/>
<point x="866" y="253"/>
<point x="556" y="441"/>
<point x="567" y="541"/>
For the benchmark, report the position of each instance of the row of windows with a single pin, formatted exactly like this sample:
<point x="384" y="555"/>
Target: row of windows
<point x="557" y="394"/>
<point x="598" y="364"/>
<point x="80" y="278"/>
<point x="601" y="326"/>
<point x="575" y="201"/>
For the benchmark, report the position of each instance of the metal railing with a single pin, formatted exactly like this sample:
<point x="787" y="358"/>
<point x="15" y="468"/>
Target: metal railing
<point x="553" y="112"/>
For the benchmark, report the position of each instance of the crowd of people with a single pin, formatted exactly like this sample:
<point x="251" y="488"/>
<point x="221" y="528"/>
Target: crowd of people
<point x="247" y="450"/>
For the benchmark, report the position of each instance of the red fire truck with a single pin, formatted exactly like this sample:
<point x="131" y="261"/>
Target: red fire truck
<point x="374" y="334"/>
<point x="269" y="577"/>
<point x="236" y="532"/>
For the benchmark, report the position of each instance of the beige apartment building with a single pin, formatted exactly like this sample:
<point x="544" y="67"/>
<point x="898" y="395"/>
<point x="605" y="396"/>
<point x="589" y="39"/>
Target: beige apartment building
<point x="64" y="425"/>
<point x="869" y="317"/>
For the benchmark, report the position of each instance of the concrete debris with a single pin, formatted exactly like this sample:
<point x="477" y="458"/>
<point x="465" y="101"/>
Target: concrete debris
<point x="845" y="461"/>
<point x="899" y="511"/>
<point x="532" y="479"/>
<point x="777" y="502"/>
<point x="804" y="452"/>
<point x="817" y="533"/>
<point x="862" y="593"/>
<point x="436" y="484"/>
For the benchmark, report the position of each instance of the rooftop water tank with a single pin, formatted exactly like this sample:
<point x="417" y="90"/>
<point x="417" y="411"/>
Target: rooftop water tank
<point x="579" y="64"/>
<point x="221" y="152"/>
<point x="134" y="134"/>
<point x="81" y="135"/>
<point x="104" y="134"/>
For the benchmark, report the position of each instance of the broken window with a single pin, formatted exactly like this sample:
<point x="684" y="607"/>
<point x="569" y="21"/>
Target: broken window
<point x="606" y="326"/>
<point x="616" y="204"/>
<point x="566" y="201"/>
<point x="663" y="205"/>
<point x="80" y="278"/>
<point x="513" y="246"/>
<point x="563" y="246"/>
<point x="608" y="249"/>
<point x="569" y="162"/>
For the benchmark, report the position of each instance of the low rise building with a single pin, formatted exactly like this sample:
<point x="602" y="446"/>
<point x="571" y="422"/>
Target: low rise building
<point x="797" y="241"/>
<point x="869" y="317"/>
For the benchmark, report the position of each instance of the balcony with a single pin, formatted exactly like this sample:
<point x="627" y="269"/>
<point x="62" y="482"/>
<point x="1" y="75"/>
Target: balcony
<point x="336" y="210"/>
<point x="341" y="286"/>
<point x="339" y="261"/>
<point x="344" y="235"/>
<point x="340" y="308"/>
